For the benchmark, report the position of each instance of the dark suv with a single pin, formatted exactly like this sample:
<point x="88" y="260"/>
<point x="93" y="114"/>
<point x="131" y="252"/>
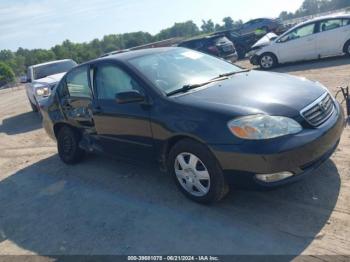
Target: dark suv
<point x="242" y="43"/>
<point x="266" y="24"/>
<point x="217" y="45"/>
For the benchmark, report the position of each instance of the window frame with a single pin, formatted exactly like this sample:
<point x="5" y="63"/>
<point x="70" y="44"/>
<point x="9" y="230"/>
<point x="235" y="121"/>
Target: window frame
<point x="315" y="31"/>
<point x="63" y="85"/>
<point x="345" y="20"/>
<point x="122" y="68"/>
<point x="330" y="19"/>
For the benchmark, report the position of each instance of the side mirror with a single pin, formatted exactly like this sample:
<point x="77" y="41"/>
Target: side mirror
<point x="129" y="97"/>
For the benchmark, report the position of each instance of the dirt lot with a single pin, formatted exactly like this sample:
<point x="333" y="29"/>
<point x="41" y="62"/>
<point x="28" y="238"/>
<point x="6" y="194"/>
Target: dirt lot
<point x="103" y="206"/>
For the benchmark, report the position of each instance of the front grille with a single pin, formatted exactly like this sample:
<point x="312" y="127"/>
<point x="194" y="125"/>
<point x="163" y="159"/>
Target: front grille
<point x="319" y="111"/>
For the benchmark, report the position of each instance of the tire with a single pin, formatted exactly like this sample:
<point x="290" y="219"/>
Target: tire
<point x="267" y="61"/>
<point x="213" y="185"/>
<point x="240" y="52"/>
<point x="347" y="48"/>
<point x="68" y="146"/>
<point x="33" y="106"/>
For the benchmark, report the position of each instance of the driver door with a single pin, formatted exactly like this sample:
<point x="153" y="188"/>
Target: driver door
<point x="124" y="130"/>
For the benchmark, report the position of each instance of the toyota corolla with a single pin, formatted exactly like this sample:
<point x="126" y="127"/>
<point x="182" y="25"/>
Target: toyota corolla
<point x="203" y="119"/>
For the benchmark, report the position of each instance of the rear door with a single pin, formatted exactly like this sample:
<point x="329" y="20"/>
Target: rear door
<point x="124" y="130"/>
<point x="76" y="97"/>
<point x="299" y="44"/>
<point x="331" y="37"/>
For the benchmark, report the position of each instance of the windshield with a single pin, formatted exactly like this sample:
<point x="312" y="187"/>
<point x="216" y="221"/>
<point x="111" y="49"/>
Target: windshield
<point x="52" y="69"/>
<point x="176" y="68"/>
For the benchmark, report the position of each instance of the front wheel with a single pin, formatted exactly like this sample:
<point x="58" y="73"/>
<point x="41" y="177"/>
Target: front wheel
<point x="33" y="106"/>
<point x="196" y="172"/>
<point x="267" y="61"/>
<point x="68" y="146"/>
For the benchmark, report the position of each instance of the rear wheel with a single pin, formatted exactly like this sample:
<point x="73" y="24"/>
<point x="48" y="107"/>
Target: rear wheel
<point x="267" y="61"/>
<point x="347" y="48"/>
<point x="196" y="172"/>
<point x="68" y="145"/>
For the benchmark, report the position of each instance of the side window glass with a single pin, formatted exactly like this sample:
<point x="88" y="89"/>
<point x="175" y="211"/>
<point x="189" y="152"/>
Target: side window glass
<point x="77" y="83"/>
<point x="346" y="22"/>
<point x="299" y="33"/>
<point x="330" y="24"/>
<point x="111" y="80"/>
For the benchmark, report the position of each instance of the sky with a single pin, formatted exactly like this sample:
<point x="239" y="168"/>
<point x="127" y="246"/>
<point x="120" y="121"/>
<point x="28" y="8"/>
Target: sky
<point x="45" y="23"/>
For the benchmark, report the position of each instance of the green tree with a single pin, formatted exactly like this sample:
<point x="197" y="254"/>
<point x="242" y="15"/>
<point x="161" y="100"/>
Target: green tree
<point x="208" y="26"/>
<point x="228" y="23"/>
<point x="6" y="74"/>
<point x="186" y="29"/>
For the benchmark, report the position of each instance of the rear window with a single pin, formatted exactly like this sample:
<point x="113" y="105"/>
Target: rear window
<point x="222" y="40"/>
<point x="330" y="24"/>
<point x="52" y="69"/>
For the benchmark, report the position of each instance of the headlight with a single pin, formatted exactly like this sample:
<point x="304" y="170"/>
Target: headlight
<point x="258" y="127"/>
<point x="42" y="91"/>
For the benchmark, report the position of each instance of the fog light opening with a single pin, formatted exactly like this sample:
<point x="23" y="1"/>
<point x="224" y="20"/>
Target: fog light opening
<point x="270" y="178"/>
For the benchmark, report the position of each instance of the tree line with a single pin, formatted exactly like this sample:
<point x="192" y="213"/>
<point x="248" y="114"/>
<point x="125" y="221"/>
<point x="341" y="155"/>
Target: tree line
<point x="311" y="7"/>
<point x="15" y="63"/>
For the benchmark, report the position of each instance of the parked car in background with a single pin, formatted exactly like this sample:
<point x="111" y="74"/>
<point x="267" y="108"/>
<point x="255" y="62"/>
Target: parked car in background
<point x="42" y="78"/>
<point x="217" y="45"/>
<point x="203" y="119"/>
<point x="242" y="43"/>
<point x="265" y="24"/>
<point x="317" y="38"/>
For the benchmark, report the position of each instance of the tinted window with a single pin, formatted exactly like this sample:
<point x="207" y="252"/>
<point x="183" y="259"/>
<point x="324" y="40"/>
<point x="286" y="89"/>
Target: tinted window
<point x="299" y="32"/>
<point x="173" y="69"/>
<point x="77" y="83"/>
<point x="346" y="22"/>
<point x="52" y="69"/>
<point x="111" y="80"/>
<point x="330" y="24"/>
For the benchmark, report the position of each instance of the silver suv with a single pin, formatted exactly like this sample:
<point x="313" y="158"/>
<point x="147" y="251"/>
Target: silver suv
<point x="42" y="78"/>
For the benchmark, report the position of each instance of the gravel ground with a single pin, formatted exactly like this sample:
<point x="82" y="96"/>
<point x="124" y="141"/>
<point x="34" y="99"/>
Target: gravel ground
<point x="103" y="206"/>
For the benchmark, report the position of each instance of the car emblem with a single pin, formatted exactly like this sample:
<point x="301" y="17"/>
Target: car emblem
<point x="322" y="106"/>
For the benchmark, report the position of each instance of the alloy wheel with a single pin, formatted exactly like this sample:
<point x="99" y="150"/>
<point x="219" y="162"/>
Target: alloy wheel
<point x="192" y="174"/>
<point x="267" y="61"/>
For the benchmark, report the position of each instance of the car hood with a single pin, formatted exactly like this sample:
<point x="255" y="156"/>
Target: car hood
<point x="256" y="92"/>
<point x="266" y="40"/>
<point x="49" y="80"/>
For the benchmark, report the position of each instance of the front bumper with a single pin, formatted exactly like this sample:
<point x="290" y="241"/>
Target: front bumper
<point x="299" y="154"/>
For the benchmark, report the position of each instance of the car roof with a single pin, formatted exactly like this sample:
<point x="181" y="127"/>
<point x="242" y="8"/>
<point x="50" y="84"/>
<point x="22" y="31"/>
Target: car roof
<point x="317" y="19"/>
<point x="51" y="62"/>
<point x="268" y="18"/>
<point x="125" y="56"/>
<point x="335" y="16"/>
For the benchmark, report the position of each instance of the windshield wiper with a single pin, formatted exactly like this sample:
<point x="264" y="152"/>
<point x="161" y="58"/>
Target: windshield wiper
<point x="188" y="87"/>
<point x="232" y="73"/>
